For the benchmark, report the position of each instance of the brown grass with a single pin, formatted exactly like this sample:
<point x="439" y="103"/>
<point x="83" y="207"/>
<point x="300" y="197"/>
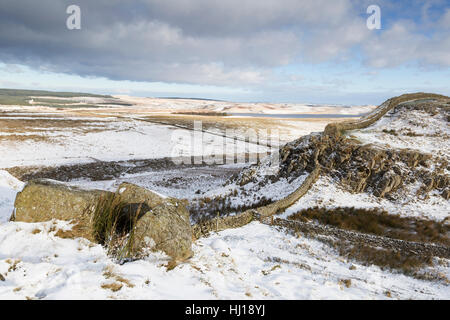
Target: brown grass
<point x="109" y="273"/>
<point x="345" y="282"/>
<point x="114" y="287"/>
<point x="378" y="222"/>
<point x="36" y="127"/>
<point x="267" y="272"/>
<point x="392" y="132"/>
<point x="406" y="262"/>
<point x="171" y="265"/>
<point x="114" y="224"/>
<point x="13" y="264"/>
<point x="75" y="232"/>
<point x="284" y="261"/>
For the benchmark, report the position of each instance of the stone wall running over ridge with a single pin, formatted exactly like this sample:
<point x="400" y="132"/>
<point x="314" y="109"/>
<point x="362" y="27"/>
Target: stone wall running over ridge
<point x="333" y="130"/>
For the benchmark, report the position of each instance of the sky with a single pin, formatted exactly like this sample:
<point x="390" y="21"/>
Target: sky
<point x="319" y="51"/>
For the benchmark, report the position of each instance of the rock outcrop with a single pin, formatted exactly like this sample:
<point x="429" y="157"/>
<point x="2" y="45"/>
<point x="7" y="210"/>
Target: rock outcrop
<point x="363" y="168"/>
<point x="44" y="200"/>
<point x="162" y="224"/>
<point x="158" y="223"/>
<point x="359" y="167"/>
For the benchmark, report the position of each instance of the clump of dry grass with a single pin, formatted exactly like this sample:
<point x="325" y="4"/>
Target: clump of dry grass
<point x="114" y="224"/>
<point x="72" y="233"/>
<point x="109" y="273"/>
<point x="13" y="264"/>
<point x="286" y="262"/>
<point x="267" y="272"/>
<point x="107" y="214"/>
<point x="378" y="222"/>
<point x="345" y="282"/>
<point x="172" y="264"/>
<point x="392" y="132"/>
<point x="114" y="287"/>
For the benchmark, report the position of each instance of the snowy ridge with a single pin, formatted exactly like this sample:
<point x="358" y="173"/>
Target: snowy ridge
<point x="411" y="124"/>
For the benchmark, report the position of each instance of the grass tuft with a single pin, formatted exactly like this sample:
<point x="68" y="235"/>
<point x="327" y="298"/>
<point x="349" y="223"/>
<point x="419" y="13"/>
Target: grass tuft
<point x="114" y="226"/>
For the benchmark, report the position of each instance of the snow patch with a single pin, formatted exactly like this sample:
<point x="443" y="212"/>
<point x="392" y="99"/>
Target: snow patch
<point x="9" y="187"/>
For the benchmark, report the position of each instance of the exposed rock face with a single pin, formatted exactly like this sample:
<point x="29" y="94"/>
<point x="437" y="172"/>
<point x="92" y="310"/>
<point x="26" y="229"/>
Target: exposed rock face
<point x="364" y="168"/>
<point x="446" y="193"/>
<point x="133" y="194"/>
<point x="160" y="223"/>
<point x="163" y="223"/>
<point x="44" y="200"/>
<point x="381" y="171"/>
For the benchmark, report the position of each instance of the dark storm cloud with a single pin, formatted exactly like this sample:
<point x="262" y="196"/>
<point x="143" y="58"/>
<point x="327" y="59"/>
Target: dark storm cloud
<point x="229" y="42"/>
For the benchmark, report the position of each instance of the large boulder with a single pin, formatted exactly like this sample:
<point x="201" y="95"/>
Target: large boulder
<point x="162" y="223"/>
<point x="44" y="200"/>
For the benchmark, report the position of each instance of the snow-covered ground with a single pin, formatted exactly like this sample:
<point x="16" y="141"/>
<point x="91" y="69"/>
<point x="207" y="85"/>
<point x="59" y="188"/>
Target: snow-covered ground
<point x="253" y="262"/>
<point x="116" y="140"/>
<point x="182" y="183"/>
<point x="9" y="186"/>
<point x="259" y="186"/>
<point x="414" y="129"/>
<point x="164" y="105"/>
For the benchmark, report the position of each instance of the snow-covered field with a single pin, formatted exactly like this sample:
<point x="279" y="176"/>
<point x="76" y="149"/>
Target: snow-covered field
<point x="182" y="183"/>
<point x="9" y="186"/>
<point x="115" y="140"/>
<point x="253" y="262"/>
<point x="164" y="105"/>
<point x="256" y="261"/>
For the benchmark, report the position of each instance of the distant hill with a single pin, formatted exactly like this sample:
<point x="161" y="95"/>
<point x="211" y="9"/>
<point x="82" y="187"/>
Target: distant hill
<point x="22" y="97"/>
<point x="200" y="99"/>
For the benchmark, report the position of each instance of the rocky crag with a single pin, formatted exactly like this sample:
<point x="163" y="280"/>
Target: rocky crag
<point x="379" y="169"/>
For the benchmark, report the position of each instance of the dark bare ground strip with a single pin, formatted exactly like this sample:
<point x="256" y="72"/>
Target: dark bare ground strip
<point x="378" y="222"/>
<point x="107" y="170"/>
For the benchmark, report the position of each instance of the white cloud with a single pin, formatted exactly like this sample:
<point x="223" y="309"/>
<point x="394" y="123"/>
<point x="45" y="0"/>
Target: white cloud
<point x="228" y="43"/>
<point x="404" y="43"/>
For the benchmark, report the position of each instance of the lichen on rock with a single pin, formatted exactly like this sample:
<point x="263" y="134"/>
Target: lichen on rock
<point x="154" y="222"/>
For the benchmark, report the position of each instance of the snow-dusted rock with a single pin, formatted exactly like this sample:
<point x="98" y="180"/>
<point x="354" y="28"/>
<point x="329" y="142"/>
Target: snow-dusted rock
<point x="44" y="200"/>
<point x="159" y="223"/>
<point x="162" y="224"/>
